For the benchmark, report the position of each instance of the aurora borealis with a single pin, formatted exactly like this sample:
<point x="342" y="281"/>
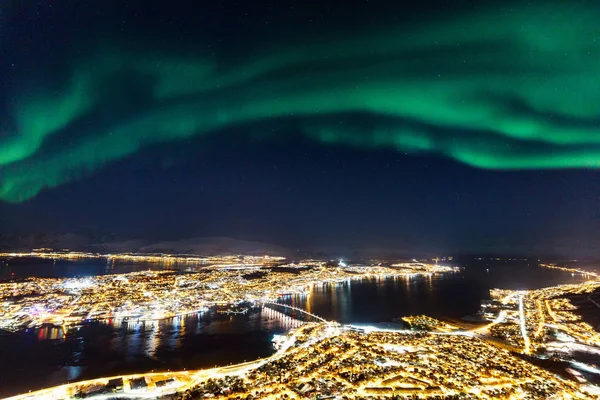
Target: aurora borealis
<point x="494" y="88"/>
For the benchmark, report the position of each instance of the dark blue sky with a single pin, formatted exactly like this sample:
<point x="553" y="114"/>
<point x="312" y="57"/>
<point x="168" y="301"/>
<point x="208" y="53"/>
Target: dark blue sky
<point x="266" y="181"/>
<point x="298" y="194"/>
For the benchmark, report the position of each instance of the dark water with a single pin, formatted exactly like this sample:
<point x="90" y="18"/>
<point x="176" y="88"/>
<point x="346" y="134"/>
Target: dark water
<point x="16" y="268"/>
<point x="448" y="295"/>
<point x="42" y="358"/>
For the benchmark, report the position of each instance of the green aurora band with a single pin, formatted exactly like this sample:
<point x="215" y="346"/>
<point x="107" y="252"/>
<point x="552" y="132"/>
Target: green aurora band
<point x="511" y="89"/>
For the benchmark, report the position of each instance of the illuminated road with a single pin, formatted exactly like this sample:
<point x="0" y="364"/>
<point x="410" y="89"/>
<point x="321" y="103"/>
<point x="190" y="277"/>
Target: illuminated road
<point x="542" y="319"/>
<point x="550" y="312"/>
<point x="527" y="348"/>
<point x="68" y="390"/>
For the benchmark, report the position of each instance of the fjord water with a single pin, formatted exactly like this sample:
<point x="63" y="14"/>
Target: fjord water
<point x="41" y="358"/>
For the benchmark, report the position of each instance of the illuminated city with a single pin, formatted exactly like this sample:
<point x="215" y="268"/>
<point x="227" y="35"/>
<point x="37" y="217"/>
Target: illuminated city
<point x="155" y="295"/>
<point x="427" y="357"/>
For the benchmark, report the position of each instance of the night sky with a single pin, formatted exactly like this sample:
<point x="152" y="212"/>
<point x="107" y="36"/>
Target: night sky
<point x="443" y="127"/>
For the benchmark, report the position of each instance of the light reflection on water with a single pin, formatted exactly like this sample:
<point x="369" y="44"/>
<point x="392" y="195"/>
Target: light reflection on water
<point x="445" y="295"/>
<point x="46" y="357"/>
<point x="133" y="338"/>
<point x="50" y="333"/>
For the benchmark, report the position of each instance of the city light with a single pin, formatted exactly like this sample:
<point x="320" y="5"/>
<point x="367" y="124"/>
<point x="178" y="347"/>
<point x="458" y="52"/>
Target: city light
<point x="424" y="357"/>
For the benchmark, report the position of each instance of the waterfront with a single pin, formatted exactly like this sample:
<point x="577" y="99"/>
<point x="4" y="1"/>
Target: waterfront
<point x="208" y="339"/>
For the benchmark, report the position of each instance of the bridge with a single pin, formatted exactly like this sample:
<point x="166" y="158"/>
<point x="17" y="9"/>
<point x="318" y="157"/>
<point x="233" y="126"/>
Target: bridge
<point x="296" y="309"/>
